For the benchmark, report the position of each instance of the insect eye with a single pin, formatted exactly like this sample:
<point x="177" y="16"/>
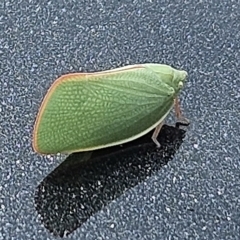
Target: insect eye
<point x="180" y="84"/>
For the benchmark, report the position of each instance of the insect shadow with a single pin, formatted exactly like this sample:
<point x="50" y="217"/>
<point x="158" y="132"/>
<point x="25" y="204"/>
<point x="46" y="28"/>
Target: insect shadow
<point x="86" y="182"/>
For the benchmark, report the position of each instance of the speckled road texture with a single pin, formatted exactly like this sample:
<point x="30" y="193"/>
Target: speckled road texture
<point x="187" y="189"/>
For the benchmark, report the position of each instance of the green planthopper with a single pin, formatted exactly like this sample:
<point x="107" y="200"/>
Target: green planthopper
<point x="89" y="111"/>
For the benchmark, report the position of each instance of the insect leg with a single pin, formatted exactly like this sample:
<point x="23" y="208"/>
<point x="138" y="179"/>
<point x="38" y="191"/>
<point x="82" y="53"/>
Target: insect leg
<point x="155" y="134"/>
<point x="178" y="113"/>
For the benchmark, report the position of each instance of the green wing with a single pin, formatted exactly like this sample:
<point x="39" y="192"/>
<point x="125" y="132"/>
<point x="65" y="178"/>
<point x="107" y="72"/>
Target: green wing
<point x="91" y="111"/>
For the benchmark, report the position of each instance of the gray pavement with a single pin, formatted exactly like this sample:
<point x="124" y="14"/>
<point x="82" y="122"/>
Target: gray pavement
<point x="188" y="189"/>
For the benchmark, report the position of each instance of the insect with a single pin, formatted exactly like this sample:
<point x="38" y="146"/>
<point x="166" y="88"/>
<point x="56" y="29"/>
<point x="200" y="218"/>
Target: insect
<point x="89" y="111"/>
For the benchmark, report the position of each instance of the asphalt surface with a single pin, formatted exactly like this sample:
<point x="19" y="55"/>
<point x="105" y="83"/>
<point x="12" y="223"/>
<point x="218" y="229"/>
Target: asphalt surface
<point x="187" y="189"/>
